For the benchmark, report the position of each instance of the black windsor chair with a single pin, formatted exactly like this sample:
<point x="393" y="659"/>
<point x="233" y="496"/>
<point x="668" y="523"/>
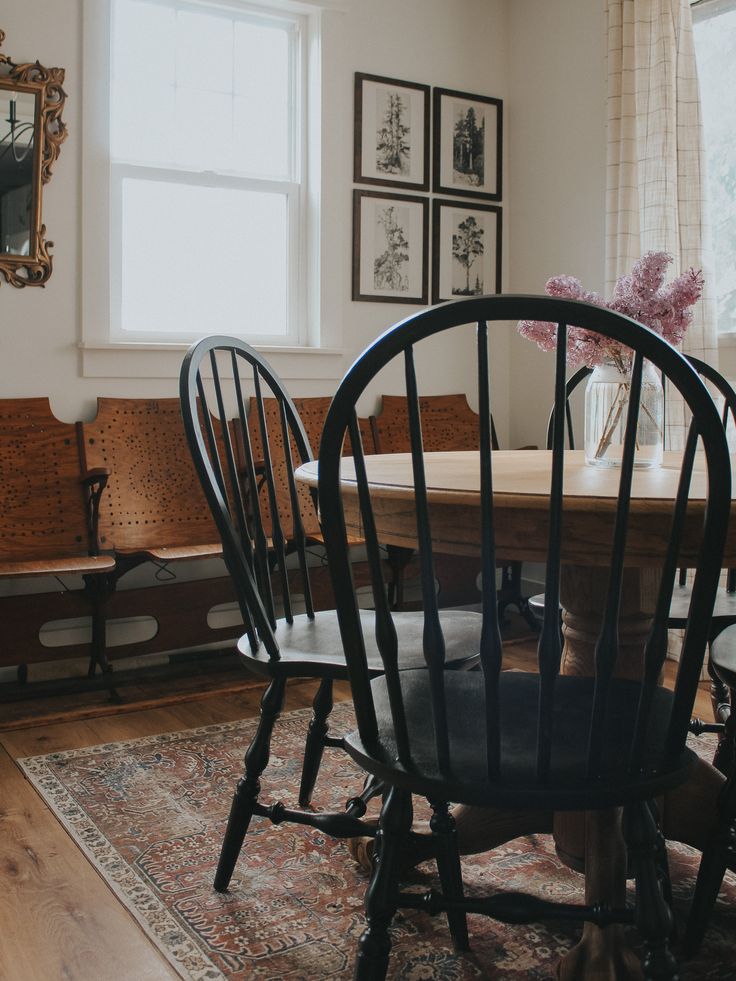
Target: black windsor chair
<point x="514" y="739"/>
<point x="724" y="610"/>
<point x="271" y="577"/>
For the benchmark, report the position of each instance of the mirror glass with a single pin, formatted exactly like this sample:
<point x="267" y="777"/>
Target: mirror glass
<point x="17" y="117"/>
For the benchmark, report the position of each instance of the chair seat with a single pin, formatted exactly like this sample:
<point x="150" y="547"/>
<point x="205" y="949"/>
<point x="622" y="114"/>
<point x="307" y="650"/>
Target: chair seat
<point x="69" y="565"/>
<point x="567" y="788"/>
<point x="723" y="656"/>
<point x="536" y="605"/>
<point x="315" y="645"/>
<point x="724" y="609"/>
<point x="174" y="553"/>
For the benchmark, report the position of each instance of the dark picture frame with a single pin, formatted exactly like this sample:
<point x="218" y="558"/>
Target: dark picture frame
<point x="390" y="247"/>
<point x="466" y="249"/>
<point x="467" y="145"/>
<point x="391" y="141"/>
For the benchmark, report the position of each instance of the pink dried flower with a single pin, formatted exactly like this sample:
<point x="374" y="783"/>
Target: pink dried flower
<point x="640" y="295"/>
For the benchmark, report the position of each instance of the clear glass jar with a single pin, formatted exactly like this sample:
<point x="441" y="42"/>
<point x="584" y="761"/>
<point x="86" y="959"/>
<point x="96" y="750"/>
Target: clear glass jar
<point x="606" y="406"/>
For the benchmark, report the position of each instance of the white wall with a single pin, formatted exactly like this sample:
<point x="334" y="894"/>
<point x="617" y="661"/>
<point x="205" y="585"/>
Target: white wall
<point x="455" y="45"/>
<point x="557" y="152"/>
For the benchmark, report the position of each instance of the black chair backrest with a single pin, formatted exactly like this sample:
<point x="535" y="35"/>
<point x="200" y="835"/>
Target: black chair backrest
<point x="218" y="377"/>
<point x="399" y="343"/>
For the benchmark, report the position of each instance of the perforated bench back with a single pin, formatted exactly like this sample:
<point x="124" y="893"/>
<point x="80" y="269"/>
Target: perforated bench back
<point x="42" y="501"/>
<point x="448" y="423"/>
<point x="153" y="498"/>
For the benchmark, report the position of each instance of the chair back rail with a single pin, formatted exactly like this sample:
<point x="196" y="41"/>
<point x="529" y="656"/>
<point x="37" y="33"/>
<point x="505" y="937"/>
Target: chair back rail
<point x="400" y="342"/>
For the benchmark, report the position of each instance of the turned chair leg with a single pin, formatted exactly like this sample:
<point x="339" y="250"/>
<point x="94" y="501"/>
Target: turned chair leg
<point x="383" y="891"/>
<point x="662" y="862"/>
<point x="315" y="744"/>
<point x="398" y="559"/>
<point x="653" y="916"/>
<point x="444" y="835"/>
<point x="719" y="693"/>
<point x="248" y="788"/>
<point x="718" y="854"/>
<point x="723" y="700"/>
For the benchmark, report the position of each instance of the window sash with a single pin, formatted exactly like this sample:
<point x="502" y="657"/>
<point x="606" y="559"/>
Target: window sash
<point x="295" y="332"/>
<point x="294" y="190"/>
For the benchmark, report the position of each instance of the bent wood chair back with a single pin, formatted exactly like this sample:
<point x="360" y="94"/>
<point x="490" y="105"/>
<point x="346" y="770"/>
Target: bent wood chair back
<point x="154" y="507"/>
<point x="570" y="742"/>
<point x="252" y="461"/>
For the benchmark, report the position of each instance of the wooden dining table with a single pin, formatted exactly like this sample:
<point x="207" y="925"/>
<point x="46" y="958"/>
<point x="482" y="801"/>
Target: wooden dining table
<point x="521" y="478"/>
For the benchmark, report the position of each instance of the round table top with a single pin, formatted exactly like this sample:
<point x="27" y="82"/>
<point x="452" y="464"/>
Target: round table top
<point x="521" y="481"/>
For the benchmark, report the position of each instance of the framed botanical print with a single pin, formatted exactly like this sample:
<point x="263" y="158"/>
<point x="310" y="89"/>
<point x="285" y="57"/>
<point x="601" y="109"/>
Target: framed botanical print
<point x="391" y="132"/>
<point x="466" y="249"/>
<point x="468" y="134"/>
<point x="390" y="247"/>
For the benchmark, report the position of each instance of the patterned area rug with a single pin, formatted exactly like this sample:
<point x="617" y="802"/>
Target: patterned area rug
<point x="150" y="815"/>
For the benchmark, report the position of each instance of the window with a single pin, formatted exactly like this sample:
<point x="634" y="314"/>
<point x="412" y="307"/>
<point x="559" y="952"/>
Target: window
<point x="205" y="175"/>
<point x="714" y="25"/>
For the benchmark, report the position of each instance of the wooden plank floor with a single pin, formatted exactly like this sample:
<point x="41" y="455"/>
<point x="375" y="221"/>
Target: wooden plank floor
<point x="58" y="918"/>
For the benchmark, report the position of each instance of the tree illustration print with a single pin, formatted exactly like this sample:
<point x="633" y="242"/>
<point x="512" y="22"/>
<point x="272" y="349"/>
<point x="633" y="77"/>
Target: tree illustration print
<point x="467" y="246"/>
<point x="467" y="147"/>
<point x="392" y="250"/>
<point x="393" y="150"/>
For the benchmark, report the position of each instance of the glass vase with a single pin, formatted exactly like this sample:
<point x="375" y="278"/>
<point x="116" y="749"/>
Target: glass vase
<point x="606" y="407"/>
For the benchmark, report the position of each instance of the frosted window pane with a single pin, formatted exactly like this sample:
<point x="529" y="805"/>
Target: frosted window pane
<point x="227" y="272"/>
<point x="143" y="123"/>
<point x="204" y="130"/>
<point x="262" y="95"/>
<point x="204" y="51"/>
<point x="144" y="42"/>
<point x="142" y="97"/>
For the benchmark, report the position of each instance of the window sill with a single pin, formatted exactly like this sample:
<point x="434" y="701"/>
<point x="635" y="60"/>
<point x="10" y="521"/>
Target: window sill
<point x="163" y="360"/>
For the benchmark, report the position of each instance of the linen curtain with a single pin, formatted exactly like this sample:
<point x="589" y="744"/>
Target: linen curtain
<point x="655" y="171"/>
<point x="655" y="179"/>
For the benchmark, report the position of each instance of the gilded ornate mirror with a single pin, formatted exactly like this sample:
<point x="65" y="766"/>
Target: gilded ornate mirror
<point x="31" y="134"/>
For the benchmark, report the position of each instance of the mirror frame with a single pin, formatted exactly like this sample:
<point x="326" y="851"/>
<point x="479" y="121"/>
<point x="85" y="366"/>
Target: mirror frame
<point x="49" y="133"/>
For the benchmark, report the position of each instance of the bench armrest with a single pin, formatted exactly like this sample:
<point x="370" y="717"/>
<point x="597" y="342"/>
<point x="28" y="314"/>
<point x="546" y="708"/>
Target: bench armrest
<point x="94" y="482"/>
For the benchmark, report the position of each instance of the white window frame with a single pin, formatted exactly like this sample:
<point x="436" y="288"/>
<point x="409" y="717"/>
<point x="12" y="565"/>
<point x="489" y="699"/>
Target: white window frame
<point x="106" y="350"/>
